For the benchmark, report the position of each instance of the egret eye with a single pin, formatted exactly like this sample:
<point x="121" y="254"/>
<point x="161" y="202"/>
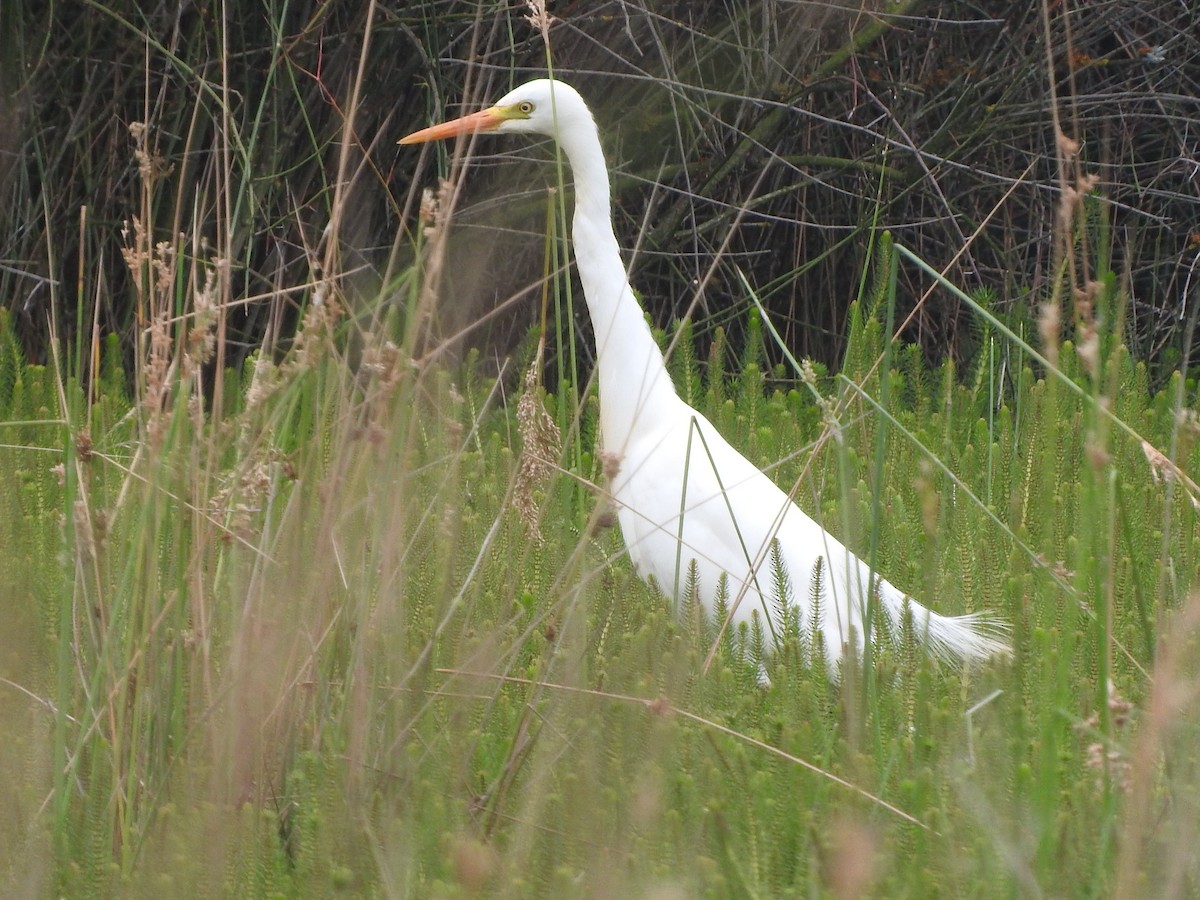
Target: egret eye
<point x="525" y="107"/>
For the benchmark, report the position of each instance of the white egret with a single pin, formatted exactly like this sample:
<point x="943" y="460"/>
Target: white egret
<point x="682" y="493"/>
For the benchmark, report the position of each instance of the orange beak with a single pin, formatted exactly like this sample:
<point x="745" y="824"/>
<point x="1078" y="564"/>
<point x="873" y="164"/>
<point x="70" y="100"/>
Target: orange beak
<point x="484" y="120"/>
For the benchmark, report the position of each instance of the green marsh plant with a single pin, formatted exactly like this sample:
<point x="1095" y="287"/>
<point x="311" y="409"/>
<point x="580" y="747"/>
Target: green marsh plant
<point x="346" y="619"/>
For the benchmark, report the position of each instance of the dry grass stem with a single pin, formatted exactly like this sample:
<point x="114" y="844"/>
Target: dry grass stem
<point x="541" y="447"/>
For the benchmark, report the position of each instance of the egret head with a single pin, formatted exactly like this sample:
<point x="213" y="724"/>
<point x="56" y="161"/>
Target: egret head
<point x="552" y="108"/>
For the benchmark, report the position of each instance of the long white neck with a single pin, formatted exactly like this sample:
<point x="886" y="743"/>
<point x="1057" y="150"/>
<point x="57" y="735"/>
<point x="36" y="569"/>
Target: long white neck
<point x="635" y="389"/>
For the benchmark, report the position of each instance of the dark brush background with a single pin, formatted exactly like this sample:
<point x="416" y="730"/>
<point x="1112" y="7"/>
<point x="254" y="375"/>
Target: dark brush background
<point x="768" y="136"/>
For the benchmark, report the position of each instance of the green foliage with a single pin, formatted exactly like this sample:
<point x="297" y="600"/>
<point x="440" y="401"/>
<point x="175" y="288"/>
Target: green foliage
<point x="274" y="625"/>
<point x="312" y="648"/>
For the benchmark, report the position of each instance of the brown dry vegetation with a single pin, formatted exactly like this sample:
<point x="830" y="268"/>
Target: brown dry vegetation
<point x="768" y="136"/>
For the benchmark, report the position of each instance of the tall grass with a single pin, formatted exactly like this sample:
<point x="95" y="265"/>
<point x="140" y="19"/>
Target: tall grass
<point x="339" y="619"/>
<point x="314" y="646"/>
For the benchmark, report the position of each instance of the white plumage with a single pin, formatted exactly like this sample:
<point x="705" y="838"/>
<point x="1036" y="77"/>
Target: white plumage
<point x="730" y="510"/>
